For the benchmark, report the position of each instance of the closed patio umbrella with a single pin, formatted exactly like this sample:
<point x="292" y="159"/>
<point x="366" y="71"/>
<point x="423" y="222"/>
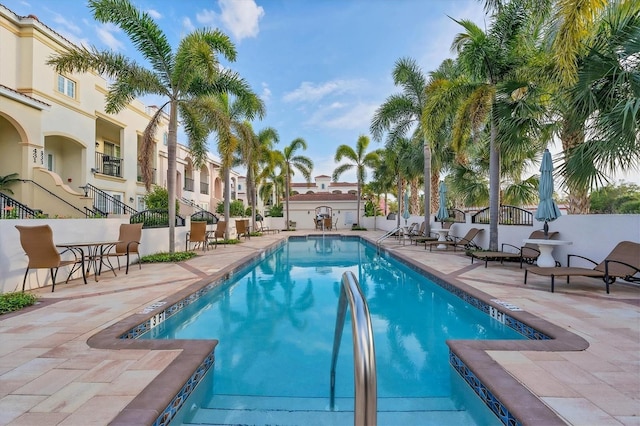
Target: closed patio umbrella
<point x="405" y="211"/>
<point x="443" y="212"/>
<point x="547" y="209"/>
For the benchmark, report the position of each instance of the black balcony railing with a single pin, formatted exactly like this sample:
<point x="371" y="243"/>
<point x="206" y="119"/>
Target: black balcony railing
<point x="14" y="209"/>
<point x="204" y="188"/>
<point x="188" y="184"/>
<point x="508" y="215"/>
<point x="153" y="175"/>
<point x="109" y="165"/>
<point x="205" y="216"/>
<point x="157" y="218"/>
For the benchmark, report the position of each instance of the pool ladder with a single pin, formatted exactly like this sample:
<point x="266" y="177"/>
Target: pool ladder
<point x="396" y="231"/>
<point x="364" y="354"/>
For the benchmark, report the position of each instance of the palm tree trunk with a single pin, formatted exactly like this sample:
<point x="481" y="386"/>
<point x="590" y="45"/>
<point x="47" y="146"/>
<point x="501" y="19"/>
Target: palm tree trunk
<point x="414" y="207"/>
<point x="494" y="185"/>
<point x="435" y="182"/>
<point x="578" y="198"/>
<point x="172" y="146"/>
<point x="227" y="200"/>
<point x="427" y="186"/>
<point x="358" y="205"/>
<point x="286" y="195"/>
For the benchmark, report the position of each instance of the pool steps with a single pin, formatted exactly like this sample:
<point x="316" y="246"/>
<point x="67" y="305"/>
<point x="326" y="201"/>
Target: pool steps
<point x="227" y="409"/>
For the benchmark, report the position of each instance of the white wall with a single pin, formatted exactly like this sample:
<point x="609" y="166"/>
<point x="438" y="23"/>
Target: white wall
<point x="592" y="236"/>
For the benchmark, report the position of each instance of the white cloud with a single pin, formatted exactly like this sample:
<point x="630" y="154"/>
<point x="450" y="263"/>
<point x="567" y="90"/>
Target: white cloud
<point x="308" y="92"/>
<point x="71" y="26"/>
<point x="106" y="34"/>
<point x="154" y="14"/>
<point x="266" y="92"/>
<point x="206" y="17"/>
<point x="188" y="25"/>
<point x="241" y="18"/>
<point x="339" y="116"/>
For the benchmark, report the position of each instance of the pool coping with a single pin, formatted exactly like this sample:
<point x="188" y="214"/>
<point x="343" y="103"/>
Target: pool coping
<point x="157" y="397"/>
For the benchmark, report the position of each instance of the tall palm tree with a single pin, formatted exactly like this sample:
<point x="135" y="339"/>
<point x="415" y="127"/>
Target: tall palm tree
<point x="401" y="113"/>
<point x="360" y="159"/>
<point x="291" y="161"/>
<point x="225" y="115"/>
<point x="179" y="77"/>
<point x="254" y="150"/>
<point x="493" y="60"/>
<point x="604" y="99"/>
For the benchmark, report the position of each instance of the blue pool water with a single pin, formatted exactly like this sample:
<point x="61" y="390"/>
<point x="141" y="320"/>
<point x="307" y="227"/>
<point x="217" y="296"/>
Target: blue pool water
<point x="276" y="321"/>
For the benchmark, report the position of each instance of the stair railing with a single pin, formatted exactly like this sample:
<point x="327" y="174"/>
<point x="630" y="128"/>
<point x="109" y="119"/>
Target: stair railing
<point x="364" y="356"/>
<point x="117" y="206"/>
<point x="11" y="208"/>
<point x="84" y="213"/>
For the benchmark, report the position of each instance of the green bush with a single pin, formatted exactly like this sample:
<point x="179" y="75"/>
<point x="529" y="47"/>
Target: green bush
<point x="10" y="302"/>
<point x="236" y="208"/>
<point x="276" y="211"/>
<point x="178" y="256"/>
<point x="158" y="198"/>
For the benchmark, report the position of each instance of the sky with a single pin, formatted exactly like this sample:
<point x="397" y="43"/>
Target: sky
<point x="322" y="67"/>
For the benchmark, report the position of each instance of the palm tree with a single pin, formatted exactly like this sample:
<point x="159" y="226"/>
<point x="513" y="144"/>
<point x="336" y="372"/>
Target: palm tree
<point x="604" y="101"/>
<point x="7" y="181"/>
<point x="191" y="71"/>
<point x="291" y="161"/>
<point x="254" y="150"/>
<point x="401" y="112"/>
<point x="359" y="159"/>
<point x="225" y="115"/>
<point x="493" y="60"/>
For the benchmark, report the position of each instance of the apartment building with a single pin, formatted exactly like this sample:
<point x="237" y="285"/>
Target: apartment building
<point x="73" y="157"/>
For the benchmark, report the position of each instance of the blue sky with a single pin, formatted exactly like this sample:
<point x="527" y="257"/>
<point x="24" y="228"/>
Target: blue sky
<point x="321" y="66"/>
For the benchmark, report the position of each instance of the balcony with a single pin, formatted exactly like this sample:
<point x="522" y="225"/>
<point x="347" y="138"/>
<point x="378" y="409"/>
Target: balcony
<point x="204" y="188"/>
<point x="188" y="184"/>
<point x="109" y="165"/>
<point x="153" y="175"/>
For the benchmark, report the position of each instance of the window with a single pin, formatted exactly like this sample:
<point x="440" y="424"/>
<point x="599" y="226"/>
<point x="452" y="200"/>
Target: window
<point x="165" y="138"/>
<point x="50" y="162"/>
<point x="66" y="86"/>
<point x="111" y="149"/>
<point x="322" y="186"/>
<point x="239" y="187"/>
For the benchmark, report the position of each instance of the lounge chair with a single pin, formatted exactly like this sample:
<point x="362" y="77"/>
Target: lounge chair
<point x="623" y="262"/>
<point x="455" y="242"/>
<point x="420" y="236"/>
<point x="265" y="229"/>
<point x="527" y="253"/>
<point x="129" y="238"/>
<point x="197" y="235"/>
<point x="37" y="243"/>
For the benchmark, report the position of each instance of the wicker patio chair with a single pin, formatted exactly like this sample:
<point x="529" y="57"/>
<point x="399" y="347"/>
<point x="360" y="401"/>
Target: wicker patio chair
<point x="198" y="235"/>
<point x="37" y="242"/>
<point x="128" y="242"/>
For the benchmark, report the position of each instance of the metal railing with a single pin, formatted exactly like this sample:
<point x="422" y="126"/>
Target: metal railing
<point x="13" y="209"/>
<point x="85" y="213"/>
<point x="507" y="215"/>
<point x="157" y="218"/>
<point x="109" y="165"/>
<point x="364" y="354"/>
<point x="107" y="202"/>
<point x="393" y="232"/>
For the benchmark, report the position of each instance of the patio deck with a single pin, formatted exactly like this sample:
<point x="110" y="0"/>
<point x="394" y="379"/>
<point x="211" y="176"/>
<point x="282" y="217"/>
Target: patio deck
<point x="50" y="375"/>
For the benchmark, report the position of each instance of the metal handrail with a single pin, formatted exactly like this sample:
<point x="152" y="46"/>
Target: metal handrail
<point x="389" y="234"/>
<point x="364" y="353"/>
<point x="55" y="196"/>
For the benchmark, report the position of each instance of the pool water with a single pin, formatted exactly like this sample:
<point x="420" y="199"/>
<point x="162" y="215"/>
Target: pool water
<point x="276" y="321"/>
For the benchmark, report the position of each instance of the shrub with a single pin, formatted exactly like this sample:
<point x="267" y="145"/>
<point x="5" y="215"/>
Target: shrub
<point x="158" y="198"/>
<point x="178" y="256"/>
<point x="236" y="208"/>
<point x="276" y="211"/>
<point x="10" y="302"/>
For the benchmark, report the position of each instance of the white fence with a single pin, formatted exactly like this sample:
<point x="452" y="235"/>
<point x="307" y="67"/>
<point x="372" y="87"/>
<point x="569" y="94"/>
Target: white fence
<point x="593" y="236"/>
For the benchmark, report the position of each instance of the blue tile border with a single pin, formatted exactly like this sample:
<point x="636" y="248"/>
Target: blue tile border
<point x="177" y="402"/>
<point x="483" y="393"/>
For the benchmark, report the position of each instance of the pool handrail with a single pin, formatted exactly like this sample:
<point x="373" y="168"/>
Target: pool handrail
<point x="398" y="230"/>
<point x="364" y="354"/>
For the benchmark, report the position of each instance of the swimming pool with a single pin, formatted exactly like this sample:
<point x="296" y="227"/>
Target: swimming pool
<point x="275" y="324"/>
